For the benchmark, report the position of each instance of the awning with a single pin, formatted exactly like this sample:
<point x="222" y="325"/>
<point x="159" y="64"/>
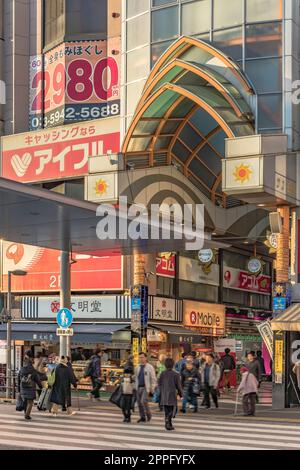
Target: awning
<point x="85" y="333"/>
<point x="178" y="334"/>
<point x="289" y="320"/>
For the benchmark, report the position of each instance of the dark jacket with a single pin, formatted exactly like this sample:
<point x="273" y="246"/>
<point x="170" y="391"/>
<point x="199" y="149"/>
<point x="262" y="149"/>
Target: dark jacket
<point x="27" y="389"/>
<point x="254" y="368"/>
<point x="188" y="378"/>
<point x="170" y="386"/>
<point x="61" y="392"/>
<point x="261" y="362"/>
<point x="96" y="366"/>
<point x="129" y="368"/>
<point x="227" y="362"/>
<point x="69" y="364"/>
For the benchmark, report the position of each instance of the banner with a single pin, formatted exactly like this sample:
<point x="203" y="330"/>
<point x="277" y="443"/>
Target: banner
<point x="43" y="270"/>
<point x="58" y="153"/>
<point x="266" y="333"/>
<point x="241" y="280"/>
<point x="76" y="81"/>
<point x="165" y="265"/>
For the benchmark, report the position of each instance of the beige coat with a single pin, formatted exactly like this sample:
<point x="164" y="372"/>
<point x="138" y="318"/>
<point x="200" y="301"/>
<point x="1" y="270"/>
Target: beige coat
<point x="150" y="378"/>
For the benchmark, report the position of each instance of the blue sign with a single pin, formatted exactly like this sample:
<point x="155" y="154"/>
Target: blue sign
<point x="279" y="303"/>
<point x="64" y="318"/>
<point x="136" y="303"/>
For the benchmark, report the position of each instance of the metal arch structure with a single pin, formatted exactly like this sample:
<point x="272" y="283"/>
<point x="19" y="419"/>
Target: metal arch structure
<point x="194" y="98"/>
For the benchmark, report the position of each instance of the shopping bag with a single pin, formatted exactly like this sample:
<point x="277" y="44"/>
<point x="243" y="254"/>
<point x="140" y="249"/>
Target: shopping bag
<point x="19" y="403"/>
<point x="116" y="396"/>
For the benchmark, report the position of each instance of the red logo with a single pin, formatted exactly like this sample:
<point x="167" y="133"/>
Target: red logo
<point x="227" y="276"/>
<point x="15" y="252"/>
<point x="55" y="306"/>
<point x="164" y="304"/>
<point x="193" y="318"/>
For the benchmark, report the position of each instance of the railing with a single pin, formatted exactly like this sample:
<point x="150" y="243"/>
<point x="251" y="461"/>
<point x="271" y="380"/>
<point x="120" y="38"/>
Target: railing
<point x="14" y="385"/>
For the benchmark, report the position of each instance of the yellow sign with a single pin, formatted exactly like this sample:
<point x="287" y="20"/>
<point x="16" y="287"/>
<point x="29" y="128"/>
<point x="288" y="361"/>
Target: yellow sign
<point x="242" y="173"/>
<point x="144" y="345"/>
<point x="278" y="366"/>
<point x="101" y="187"/>
<point x="135" y="351"/>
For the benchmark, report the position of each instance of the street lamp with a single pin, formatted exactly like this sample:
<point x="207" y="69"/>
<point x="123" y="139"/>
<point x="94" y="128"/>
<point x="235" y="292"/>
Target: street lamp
<point x="17" y="272"/>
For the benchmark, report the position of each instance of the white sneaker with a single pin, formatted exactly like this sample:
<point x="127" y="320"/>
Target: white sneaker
<point x="72" y="413"/>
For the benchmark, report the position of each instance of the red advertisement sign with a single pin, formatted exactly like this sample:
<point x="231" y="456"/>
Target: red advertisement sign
<point x="58" y="153"/>
<point x="165" y="265"/>
<point x="242" y="280"/>
<point x="43" y="270"/>
<point x="76" y="81"/>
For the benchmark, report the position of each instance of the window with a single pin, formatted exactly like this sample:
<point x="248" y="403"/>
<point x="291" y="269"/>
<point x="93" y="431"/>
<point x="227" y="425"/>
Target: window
<point x="165" y="286"/>
<point x="263" y="10"/>
<point x="227" y="13"/>
<point x="259" y="69"/>
<point x="264" y="40"/>
<point x="230" y="42"/>
<point x="158" y="49"/>
<point x="270" y="111"/>
<point x="86" y="17"/>
<point x="158" y="3"/>
<point x="196" y="17"/>
<point x="165" y="24"/>
<point x="54" y="21"/>
<point x="138" y="63"/>
<point x="138" y="31"/>
<point x="135" y="7"/>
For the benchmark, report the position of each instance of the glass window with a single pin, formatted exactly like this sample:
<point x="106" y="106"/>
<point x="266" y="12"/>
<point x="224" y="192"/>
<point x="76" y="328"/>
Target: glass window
<point x="138" y="31"/>
<point x="263" y="40"/>
<point x="165" y="24"/>
<point x="196" y="17"/>
<point x="158" y="49"/>
<point x="258" y="70"/>
<point x="263" y="10"/>
<point x="54" y="20"/>
<point x="88" y="17"/>
<point x="228" y="13"/>
<point x="230" y="42"/>
<point x="138" y="63"/>
<point x="270" y="111"/>
<point x="157" y="3"/>
<point x="134" y="92"/>
<point x="165" y="286"/>
<point x="135" y="7"/>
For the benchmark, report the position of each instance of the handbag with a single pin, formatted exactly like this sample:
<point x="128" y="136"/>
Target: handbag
<point x="20" y="403"/>
<point x="116" y="396"/>
<point x="156" y="396"/>
<point x="196" y="387"/>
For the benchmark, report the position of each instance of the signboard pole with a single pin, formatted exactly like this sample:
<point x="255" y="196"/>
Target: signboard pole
<point x="139" y="320"/>
<point x="65" y="297"/>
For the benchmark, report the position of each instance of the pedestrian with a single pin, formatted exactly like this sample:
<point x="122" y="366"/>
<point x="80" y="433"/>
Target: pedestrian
<point x="145" y="383"/>
<point x="191" y="380"/>
<point x="181" y="363"/>
<point x="170" y="386"/>
<point x="95" y="374"/>
<point x="227" y="364"/>
<point x="253" y="366"/>
<point x="248" y="386"/>
<point x="128" y="385"/>
<point x="41" y="368"/>
<point x="160" y="367"/>
<point x="28" y="379"/>
<point x="196" y="360"/>
<point x="61" y="390"/>
<point x="261" y="361"/>
<point x="210" y="376"/>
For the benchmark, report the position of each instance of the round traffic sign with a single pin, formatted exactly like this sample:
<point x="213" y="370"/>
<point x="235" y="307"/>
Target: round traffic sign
<point x="64" y="318"/>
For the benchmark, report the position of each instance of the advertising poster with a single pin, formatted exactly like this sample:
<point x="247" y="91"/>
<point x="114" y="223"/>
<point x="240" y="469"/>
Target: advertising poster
<point x="43" y="270"/>
<point x="76" y="81"/>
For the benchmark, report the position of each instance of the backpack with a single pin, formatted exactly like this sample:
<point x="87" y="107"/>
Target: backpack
<point x="89" y="369"/>
<point x="51" y="378"/>
<point x="26" y="381"/>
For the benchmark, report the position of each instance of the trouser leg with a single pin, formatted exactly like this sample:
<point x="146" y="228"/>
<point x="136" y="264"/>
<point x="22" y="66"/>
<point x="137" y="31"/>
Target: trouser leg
<point x="252" y="401"/>
<point x="207" y="395"/>
<point x="140" y="401"/>
<point x="96" y="388"/>
<point x="246" y="403"/>
<point x="28" y="409"/>
<point x="146" y="404"/>
<point x="214" y="394"/>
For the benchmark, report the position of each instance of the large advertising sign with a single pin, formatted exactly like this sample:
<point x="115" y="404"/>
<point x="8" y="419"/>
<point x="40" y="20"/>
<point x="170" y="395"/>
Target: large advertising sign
<point x="88" y="273"/>
<point x="209" y="319"/>
<point x="76" y="81"/>
<point x="242" y="280"/>
<point x="58" y="153"/>
<point x="165" y="265"/>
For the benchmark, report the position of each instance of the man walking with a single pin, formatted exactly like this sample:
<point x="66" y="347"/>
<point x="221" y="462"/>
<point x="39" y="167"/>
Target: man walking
<point x="227" y="366"/>
<point x="210" y="376"/>
<point x="145" y="383"/>
<point x="95" y="374"/>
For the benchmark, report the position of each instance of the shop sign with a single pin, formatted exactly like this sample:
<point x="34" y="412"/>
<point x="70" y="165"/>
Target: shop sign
<point x="76" y="81"/>
<point x="266" y="333"/>
<point x="156" y="336"/>
<point x="165" y="309"/>
<point x="108" y="307"/>
<point x="189" y="270"/>
<point x="279" y="304"/>
<point x="64" y="332"/>
<point x="254" y="266"/>
<point x="206" y="256"/>
<point x="101" y="187"/>
<point x="139" y="300"/>
<point x="282" y="296"/>
<point x="221" y="344"/>
<point x="42" y="265"/>
<point x="135" y="351"/>
<point x="242" y="173"/>
<point x="165" y="265"/>
<point x="241" y="280"/>
<point x="58" y="153"/>
<point x="209" y="319"/>
<point x="272" y="242"/>
<point x="278" y="366"/>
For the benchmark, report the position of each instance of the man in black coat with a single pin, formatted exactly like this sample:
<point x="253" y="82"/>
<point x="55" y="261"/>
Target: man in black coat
<point x="61" y="391"/>
<point x="96" y="374"/>
<point x="28" y="380"/>
<point x="170" y="386"/>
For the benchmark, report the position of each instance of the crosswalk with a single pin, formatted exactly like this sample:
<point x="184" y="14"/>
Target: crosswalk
<point x="102" y="429"/>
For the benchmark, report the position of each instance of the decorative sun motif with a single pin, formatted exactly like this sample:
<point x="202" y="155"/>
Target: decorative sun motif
<point x="101" y="187"/>
<point x="242" y="173"/>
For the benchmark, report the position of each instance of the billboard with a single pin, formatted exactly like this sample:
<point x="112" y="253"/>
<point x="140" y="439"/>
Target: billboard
<point x="76" y="81"/>
<point x="58" y="153"/>
<point x="241" y="280"/>
<point x="165" y="265"/>
<point x="43" y="270"/>
<point x="209" y="319"/>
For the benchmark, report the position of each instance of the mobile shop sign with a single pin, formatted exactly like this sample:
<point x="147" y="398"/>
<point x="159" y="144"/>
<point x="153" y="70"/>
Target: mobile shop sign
<point x="209" y="319"/>
<point x="242" y="280"/>
<point x="43" y="270"/>
<point x="75" y="81"/>
<point x="58" y="153"/>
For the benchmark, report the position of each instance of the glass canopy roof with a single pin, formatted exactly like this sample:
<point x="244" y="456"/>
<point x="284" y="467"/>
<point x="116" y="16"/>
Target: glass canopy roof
<point x="194" y="98"/>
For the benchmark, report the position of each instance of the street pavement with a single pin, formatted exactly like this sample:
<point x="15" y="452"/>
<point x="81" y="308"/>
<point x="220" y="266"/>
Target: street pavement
<point x="99" y="426"/>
